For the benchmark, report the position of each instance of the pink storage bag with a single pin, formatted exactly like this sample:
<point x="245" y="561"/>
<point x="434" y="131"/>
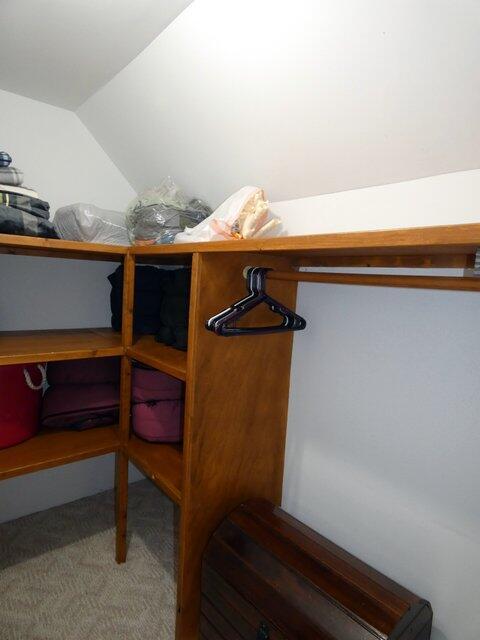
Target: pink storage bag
<point x="87" y="371"/>
<point x="20" y="399"/>
<point x="80" y="406"/>
<point x="157" y="411"/>
<point x="158" y="421"/>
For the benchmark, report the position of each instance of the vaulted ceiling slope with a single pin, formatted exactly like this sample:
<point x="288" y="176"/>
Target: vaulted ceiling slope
<point x="303" y="97"/>
<point x="61" y="52"/>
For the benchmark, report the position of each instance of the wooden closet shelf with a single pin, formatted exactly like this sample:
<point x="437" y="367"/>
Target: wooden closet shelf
<point x="46" y="247"/>
<point x="456" y="240"/>
<point x="162" y="463"/>
<point x="167" y="359"/>
<point x="54" y="448"/>
<point x="20" y="347"/>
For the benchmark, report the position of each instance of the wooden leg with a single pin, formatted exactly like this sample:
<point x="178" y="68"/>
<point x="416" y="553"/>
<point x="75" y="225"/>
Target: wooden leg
<point x="121" y="496"/>
<point x="121" y="469"/>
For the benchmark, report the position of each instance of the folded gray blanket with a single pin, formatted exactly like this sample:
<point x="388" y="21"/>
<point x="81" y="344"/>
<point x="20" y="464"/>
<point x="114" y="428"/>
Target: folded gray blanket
<point x="11" y="176"/>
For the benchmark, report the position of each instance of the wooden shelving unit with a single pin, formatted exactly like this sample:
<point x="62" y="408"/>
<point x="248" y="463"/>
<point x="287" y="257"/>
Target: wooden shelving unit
<point x="167" y="359"/>
<point x="236" y="389"/>
<point x="52" y="448"/>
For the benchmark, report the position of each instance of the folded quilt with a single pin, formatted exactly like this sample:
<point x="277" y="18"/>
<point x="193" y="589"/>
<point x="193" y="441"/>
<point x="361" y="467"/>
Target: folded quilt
<point x="12" y="176"/>
<point x="34" y="206"/>
<point x="20" y="223"/>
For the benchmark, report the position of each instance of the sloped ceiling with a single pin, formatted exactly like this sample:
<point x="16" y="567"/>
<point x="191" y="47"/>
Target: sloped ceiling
<point x="302" y="98"/>
<point x="62" y="51"/>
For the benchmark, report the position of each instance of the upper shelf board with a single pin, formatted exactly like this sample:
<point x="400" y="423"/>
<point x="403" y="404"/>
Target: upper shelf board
<point x="21" y="347"/>
<point x="453" y="239"/>
<point x="456" y="241"/>
<point x="46" y="247"/>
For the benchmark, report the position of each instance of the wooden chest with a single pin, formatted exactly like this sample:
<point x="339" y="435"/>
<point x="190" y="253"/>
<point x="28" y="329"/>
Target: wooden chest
<point x="268" y="576"/>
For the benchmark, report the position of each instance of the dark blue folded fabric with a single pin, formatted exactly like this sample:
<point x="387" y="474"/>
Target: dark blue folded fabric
<point x="34" y="206"/>
<point x="20" y="223"/>
<point x="5" y="159"/>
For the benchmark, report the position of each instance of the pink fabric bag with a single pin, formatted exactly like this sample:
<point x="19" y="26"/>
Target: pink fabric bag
<point x="87" y="371"/>
<point x="157" y="411"/>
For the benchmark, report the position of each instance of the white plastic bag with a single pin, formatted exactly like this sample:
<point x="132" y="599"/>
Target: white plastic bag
<point x="88" y="223"/>
<point x="243" y="215"/>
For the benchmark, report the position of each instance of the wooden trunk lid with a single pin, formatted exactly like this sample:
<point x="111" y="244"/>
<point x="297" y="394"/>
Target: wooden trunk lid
<point x="266" y="575"/>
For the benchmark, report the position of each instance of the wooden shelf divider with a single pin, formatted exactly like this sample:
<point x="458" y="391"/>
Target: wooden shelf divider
<point x="154" y="354"/>
<point x="162" y="463"/>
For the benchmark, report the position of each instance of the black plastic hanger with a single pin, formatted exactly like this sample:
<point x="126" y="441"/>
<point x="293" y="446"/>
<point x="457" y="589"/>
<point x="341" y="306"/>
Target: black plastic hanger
<point x="223" y="323"/>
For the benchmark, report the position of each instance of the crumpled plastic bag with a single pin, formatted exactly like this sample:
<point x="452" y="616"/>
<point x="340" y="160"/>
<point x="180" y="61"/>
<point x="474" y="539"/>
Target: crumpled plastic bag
<point x="157" y="215"/>
<point x="244" y="214"/>
<point x="88" y="223"/>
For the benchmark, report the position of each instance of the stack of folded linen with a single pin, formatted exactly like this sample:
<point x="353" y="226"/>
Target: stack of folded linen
<point x="21" y="211"/>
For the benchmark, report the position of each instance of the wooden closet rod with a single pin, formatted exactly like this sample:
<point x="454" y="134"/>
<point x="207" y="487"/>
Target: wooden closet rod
<point x="376" y="280"/>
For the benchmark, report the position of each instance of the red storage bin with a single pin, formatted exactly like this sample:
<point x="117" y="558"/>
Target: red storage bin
<point x="20" y="400"/>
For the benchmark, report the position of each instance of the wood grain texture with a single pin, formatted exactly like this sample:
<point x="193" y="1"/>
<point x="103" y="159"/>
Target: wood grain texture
<point x="300" y="582"/>
<point x="128" y="300"/>
<point x="240" y="612"/>
<point x="461" y="239"/>
<point x="417" y="261"/>
<point x="19" y="347"/>
<point x="235" y="415"/>
<point x="446" y="283"/>
<point x="121" y="505"/>
<point x="161" y="462"/>
<point x="121" y="462"/>
<point x="154" y="354"/>
<point x="46" y="247"/>
<point x="54" y="448"/>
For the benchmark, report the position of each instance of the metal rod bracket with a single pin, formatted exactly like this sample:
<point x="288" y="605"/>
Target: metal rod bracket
<point x="476" y="266"/>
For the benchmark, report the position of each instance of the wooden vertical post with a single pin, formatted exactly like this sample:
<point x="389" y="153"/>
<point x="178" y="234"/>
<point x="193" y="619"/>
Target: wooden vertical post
<point x="235" y="415"/>
<point x="121" y="462"/>
<point x="128" y="299"/>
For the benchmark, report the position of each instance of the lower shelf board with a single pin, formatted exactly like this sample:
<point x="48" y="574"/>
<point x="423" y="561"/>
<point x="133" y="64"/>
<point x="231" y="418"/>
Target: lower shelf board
<point x="161" y="462"/>
<point x="52" y="448"/>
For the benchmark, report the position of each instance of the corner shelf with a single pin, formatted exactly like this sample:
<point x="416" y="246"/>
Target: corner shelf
<point x="52" y="448"/>
<point x="50" y="248"/>
<point x="21" y="347"/>
<point x="161" y="462"/>
<point x="159" y="356"/>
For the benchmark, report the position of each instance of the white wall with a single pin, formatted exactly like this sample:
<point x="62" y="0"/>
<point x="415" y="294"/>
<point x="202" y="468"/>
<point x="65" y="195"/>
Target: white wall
<point x="65" y="164"/>
<point x="305" y="97"/>
<point x="324" y="96"/>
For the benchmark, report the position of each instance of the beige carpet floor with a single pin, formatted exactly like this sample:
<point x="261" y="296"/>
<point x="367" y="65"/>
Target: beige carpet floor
<point x="59" y="579"/>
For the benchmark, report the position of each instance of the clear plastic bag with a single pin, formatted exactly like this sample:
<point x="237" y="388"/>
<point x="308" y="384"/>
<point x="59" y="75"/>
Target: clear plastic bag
<point x="157" y="215"/>
<point x="88" y="223"/>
